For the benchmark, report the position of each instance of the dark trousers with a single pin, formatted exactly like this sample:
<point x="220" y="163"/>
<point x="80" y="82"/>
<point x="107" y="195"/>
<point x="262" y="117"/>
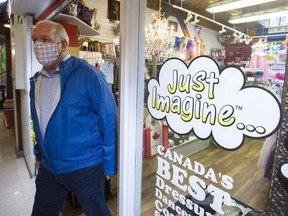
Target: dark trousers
<point x="87" y="184"/>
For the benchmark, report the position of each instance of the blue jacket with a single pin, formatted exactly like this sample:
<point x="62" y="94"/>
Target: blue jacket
<point x="82" y="130"/>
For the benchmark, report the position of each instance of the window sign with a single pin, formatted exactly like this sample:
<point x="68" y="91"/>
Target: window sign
<point x="211" y="102"/>
<point x="198" y="98"/>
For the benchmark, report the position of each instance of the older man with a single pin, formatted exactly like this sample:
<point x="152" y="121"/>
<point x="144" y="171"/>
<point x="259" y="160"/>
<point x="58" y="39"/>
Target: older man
<point x="75" y="122"/>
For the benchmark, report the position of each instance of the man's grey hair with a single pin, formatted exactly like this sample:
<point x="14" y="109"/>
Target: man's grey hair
<point x="60" y="31"/>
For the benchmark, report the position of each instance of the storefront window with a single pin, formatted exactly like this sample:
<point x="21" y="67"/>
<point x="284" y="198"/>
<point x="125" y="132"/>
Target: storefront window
<point x="209" y="142"/>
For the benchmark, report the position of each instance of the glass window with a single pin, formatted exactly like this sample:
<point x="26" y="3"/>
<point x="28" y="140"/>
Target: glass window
<point x="188" y="173"/>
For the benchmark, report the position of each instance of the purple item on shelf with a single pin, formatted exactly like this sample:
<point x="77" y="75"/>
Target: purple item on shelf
<point x="177" y="43"/>
<point x="71" y="9"/>
<point x="84" y="14"/>
<point x="190" y="45"/>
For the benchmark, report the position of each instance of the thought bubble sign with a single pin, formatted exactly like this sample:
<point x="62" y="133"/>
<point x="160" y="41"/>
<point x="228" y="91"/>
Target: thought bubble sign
<point x="199" y="97"/>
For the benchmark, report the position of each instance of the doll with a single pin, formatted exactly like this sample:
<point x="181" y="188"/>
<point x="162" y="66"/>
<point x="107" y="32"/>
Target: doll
<point x="258" y="62"/>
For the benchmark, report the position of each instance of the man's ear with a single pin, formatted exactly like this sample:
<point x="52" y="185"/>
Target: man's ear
<point x="64" y="44"/>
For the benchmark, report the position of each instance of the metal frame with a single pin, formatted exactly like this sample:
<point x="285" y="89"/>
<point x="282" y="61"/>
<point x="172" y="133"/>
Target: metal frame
<point x="278" y="197"/>
<point x="132" y="55"/>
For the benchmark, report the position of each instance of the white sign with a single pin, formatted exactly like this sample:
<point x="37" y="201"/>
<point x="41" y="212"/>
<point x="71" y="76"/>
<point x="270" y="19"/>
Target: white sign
<point x="199" y="97"/>
<point x="173" y="171"/>
<point x="108" y="70"/>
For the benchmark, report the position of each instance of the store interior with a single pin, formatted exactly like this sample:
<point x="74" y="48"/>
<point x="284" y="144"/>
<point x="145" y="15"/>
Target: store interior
<point x="187" y="30"/>
<point x="259" y="50"/>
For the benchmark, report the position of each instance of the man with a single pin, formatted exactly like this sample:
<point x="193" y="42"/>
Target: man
<point x="75" y="122"/>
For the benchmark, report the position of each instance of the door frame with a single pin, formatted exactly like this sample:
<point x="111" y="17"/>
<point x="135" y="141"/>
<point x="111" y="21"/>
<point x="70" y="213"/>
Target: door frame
<point x="131" y="106"/>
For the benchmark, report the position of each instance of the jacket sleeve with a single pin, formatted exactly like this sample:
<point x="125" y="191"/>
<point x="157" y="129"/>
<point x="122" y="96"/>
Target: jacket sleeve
<point x="105" y="106"/>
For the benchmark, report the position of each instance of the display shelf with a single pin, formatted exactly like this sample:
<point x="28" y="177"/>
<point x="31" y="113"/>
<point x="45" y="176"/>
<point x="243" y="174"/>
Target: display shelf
<point x="191" y="146"/>
<point x="83" y="28"/>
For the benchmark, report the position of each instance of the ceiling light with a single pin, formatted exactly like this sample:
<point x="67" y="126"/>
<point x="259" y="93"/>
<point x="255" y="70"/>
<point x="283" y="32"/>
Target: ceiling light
<point x="196" y="20"/>
<point x="208" y="19"/>
<point x="248" y="41"/>
<point x="232" y="4"/>
<point x="223" y="30"/>
<point x="259" y="15"/>
<point x="237" y="35"/>
<point x="189" y="17"/>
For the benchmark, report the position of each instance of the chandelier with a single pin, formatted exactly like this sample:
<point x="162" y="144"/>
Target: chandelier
<point x="158" y="35"/>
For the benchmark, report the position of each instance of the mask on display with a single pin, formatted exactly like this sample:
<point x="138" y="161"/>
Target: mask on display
<point x="46" y="53"/>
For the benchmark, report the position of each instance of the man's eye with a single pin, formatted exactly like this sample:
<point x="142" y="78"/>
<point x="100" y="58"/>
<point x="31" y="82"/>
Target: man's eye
<point x="45" y="40"/>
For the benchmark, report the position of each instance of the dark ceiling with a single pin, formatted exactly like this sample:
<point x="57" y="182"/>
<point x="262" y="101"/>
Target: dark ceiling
<point x="199" y="6"/>
<point x="3" y="13"/>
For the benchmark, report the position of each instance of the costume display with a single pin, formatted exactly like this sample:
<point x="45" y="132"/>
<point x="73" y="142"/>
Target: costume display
<point x="258" y="62"/>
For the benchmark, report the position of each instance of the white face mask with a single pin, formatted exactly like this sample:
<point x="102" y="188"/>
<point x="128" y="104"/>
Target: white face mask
<point x="46" y="53"/>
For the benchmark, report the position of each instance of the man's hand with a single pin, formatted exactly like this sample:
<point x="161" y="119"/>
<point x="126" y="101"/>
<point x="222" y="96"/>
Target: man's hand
<point x="37" y="165"/>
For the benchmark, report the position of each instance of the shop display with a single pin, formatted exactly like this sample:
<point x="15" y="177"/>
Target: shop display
<point x="102" y="55"/>
<point x="155" y="133"/>
<point x="276" y="59"/>
<point x="72" y="9"/>
<point x="258" y="59"/>
<point x="85" y="14"/>
<point x="238" y="55"/>
<point x="217" y="54"/>
<point x="79" y="9"/>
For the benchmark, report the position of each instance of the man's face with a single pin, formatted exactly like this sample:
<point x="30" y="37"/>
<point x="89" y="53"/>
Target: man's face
<point x="47" y="47"/>
<point x="44" y="33"/>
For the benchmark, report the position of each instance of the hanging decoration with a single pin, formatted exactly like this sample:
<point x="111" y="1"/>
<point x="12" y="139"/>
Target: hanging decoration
<point x="158" y="35"/>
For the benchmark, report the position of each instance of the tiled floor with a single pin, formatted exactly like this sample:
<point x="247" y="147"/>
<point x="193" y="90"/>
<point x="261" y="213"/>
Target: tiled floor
<point x="16" y="187"/>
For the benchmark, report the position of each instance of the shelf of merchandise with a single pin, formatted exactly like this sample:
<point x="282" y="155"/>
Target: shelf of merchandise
<point x="186" y="149"/>
<point x="191" y="146"/>
<point x="83" y="28"/>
